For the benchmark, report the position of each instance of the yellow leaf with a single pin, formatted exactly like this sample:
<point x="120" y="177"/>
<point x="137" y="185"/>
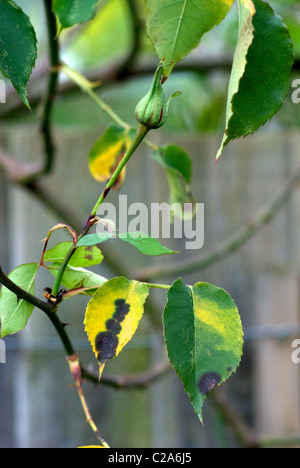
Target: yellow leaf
<point x="108" y="152"/>
<point x="91" y="447"/>
<point x="113" y="315"/>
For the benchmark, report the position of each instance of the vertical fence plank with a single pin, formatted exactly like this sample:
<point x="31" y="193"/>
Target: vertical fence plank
<point x="276" y="379"/>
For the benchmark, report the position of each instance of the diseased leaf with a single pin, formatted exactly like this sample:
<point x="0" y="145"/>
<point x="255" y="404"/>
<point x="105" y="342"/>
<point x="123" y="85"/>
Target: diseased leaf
<point x="178" y="168"/>
<point x="204" y="337"/>
<point x="108" y="152"/>
<point x="78" y="278"/>
<point x="145" y="244"/>
<point x="113" y="315"/>
<point x="15" y="312"/>
<point x="176" y="27"/>
<point x="71" y="12"/>
<point x="18" y="47"/>
<point x="83" y="257"/>
<point x="261" y="69"/>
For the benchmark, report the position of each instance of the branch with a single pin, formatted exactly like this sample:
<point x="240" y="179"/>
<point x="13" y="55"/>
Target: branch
<point x="241" y="430"/>
<point x="43" y="306"/>
<point x="22" y="294"/>
<point x="139" y="381"/>
<point x="228" y="247"/>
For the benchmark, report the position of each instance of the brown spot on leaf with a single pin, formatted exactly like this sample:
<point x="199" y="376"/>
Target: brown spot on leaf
<point x="89" y="257"/>
<point x="208" y="381"/>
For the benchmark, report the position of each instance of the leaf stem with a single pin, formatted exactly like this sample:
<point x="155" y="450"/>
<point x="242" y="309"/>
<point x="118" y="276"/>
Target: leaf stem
<point x="158" y="286"/>
<point x="105" y="107"/>
<point x="87" y="86"/>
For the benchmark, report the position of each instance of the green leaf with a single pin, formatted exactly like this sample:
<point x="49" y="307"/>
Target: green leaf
<point x="108" y="152"/>
<point x="261" y="69"/>
<point x="204" y="337"/>
<point x="145" y="244"/>
<point x="83" y="257"/>
<point x="95" y="239"/>
<point x="14" y="312"/>
<point x="176" y="27"/>
<point x="78" y="279"/>
<point x="71" y="12"/>
<point x="18" y="47"/>
<point x="178" y="168"/>
<point x="113" y="315"/>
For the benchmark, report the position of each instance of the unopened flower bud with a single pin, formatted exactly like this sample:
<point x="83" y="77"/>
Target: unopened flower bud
<point x="152" y="110"/>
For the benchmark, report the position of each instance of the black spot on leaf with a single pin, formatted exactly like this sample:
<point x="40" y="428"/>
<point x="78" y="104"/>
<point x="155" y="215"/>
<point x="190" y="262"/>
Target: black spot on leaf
<point x="208" y="381"/>
<point x="114" y="326"/>
<point x="122" y="309"/>
<point x="106" y="344"/>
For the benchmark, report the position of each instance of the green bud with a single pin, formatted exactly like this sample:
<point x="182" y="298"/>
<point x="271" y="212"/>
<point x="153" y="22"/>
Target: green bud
<point x="152" y="110"/>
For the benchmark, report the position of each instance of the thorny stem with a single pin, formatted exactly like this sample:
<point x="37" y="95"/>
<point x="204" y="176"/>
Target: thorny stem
<point x="49" y="310"/>
<point x="140" y="135"/>
<point x="75" y="369"/>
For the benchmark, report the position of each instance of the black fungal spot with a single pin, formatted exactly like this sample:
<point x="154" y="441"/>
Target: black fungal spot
<point x="114" y="326"/>
<point x="208" y="381"/>
<point x="122" y="309"/>
<point x="106" y="344"/>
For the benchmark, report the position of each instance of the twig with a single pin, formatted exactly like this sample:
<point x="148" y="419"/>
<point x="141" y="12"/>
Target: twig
<point x="139" y="381"/>
<point x="241" y="430"/>
<point x="24" y="295"/>
<point x="228" y="247"/>
<point x="75" y="369"/>
<point x="43" y="306"/>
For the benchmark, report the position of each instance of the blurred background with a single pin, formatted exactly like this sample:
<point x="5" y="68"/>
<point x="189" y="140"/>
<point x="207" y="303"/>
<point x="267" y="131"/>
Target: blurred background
<point x="38" y="406"/>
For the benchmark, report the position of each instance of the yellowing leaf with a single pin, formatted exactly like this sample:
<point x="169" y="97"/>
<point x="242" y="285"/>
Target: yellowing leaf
<point x="91" y="447"/>
<point x="108" y="152"/>
<point x="113" y="315"/>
